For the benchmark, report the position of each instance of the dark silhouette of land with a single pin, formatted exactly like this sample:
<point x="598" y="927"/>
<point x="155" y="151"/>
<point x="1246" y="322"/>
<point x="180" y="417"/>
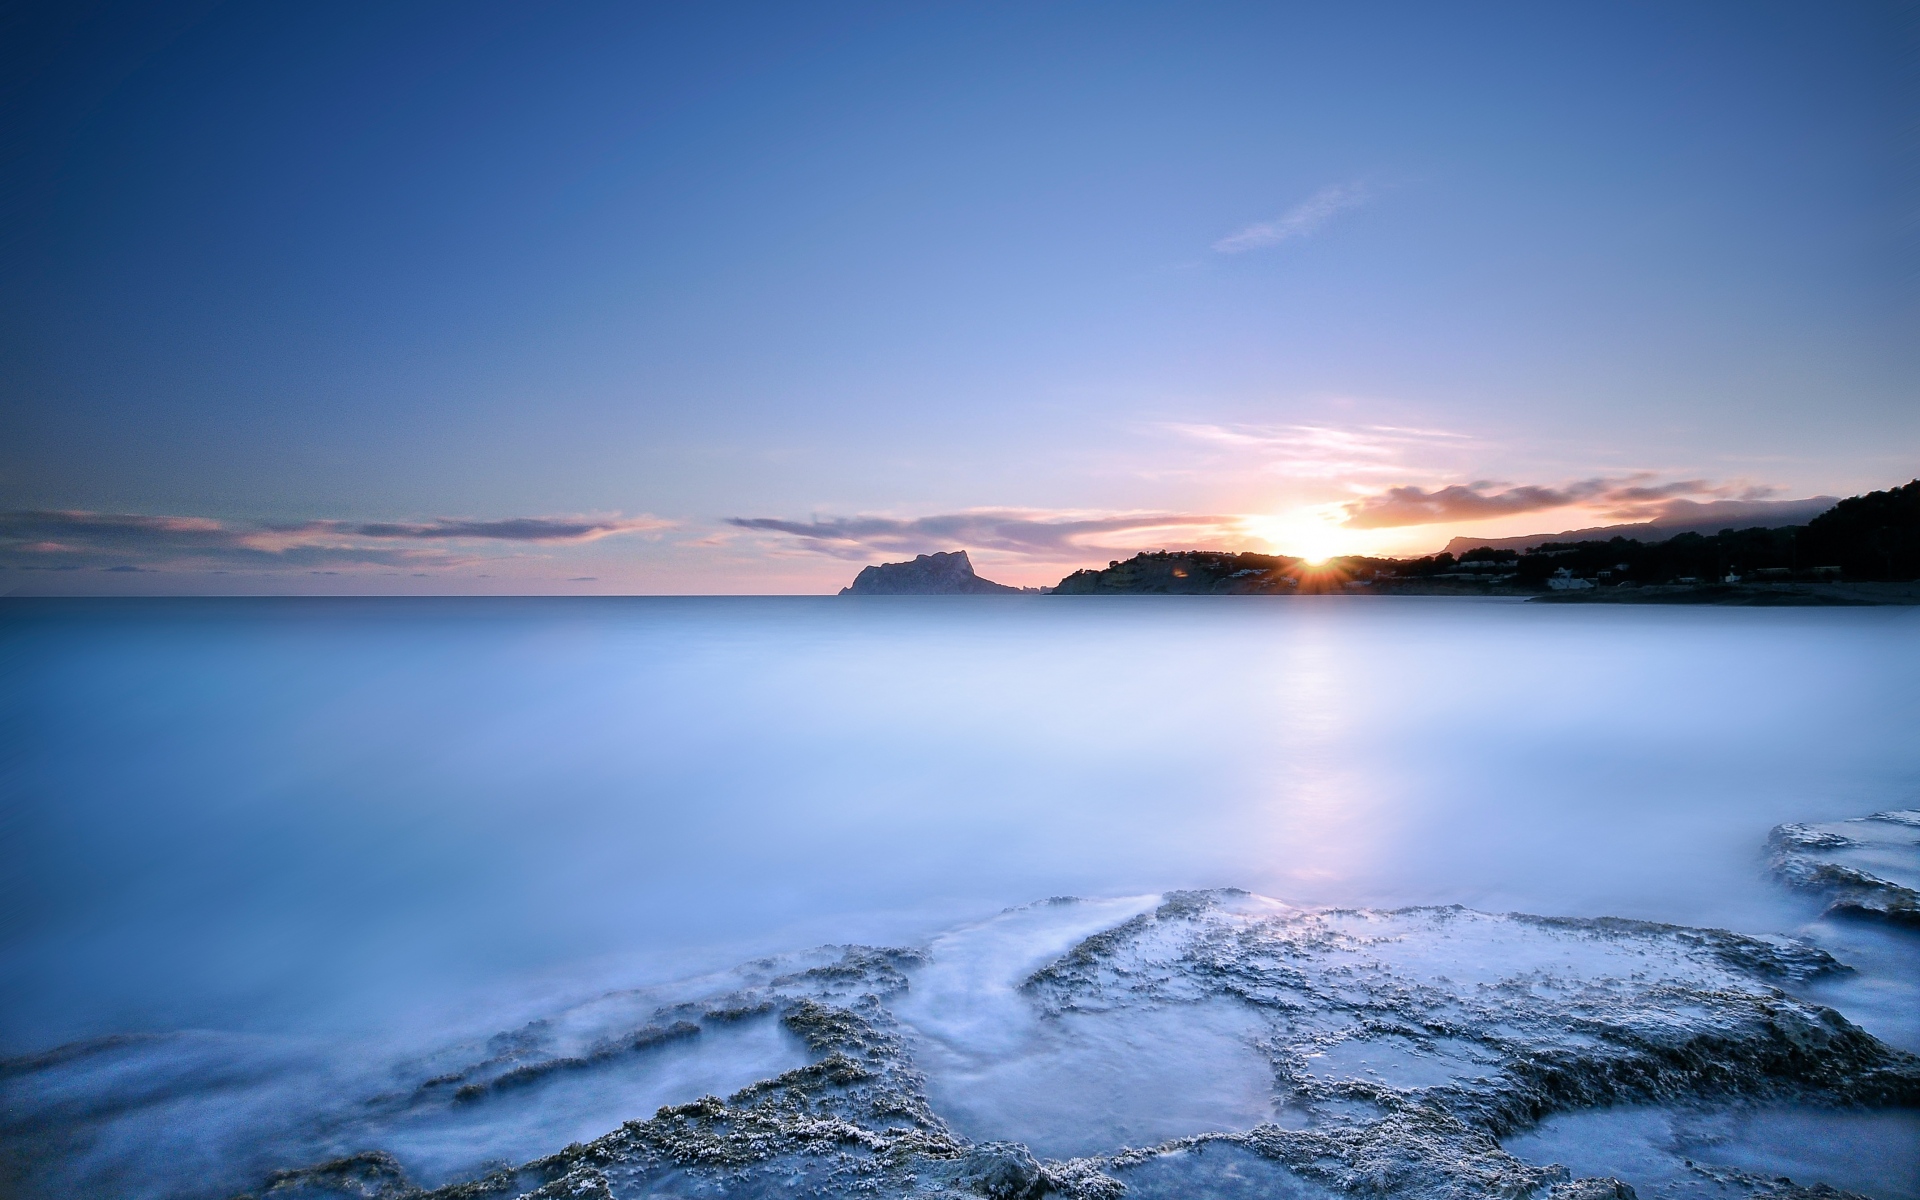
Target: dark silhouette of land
<point x="948" y="574"/>
<point x="1862" y="550"/>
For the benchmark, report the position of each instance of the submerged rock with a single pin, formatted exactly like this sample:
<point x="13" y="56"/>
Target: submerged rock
<point x="1605" y="1188"/>
<point x="1408" y="1041"/>
<point x="1000" y="1171"/>
<point x="1867" y="866"/>
<point x="369" y="1175"/>
<point x="1402" y="1047"/>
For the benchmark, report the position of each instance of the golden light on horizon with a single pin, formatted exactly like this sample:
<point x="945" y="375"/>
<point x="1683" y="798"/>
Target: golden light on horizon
<point x="1311" y="534"/>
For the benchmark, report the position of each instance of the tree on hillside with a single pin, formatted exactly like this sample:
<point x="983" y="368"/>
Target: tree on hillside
<point x="1875" y="536"/>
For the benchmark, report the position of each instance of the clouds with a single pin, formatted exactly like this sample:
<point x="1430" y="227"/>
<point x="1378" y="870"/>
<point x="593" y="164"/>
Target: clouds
<point x="1416" y="506"/>
<point x="512" y="529"/>
<point x="1634" y="498"/>
<point x="1075" y="538"/>
<point x="54" y="539"/>
<point x="1332" y="452"/>
<point x="1035" y="540"/>
<point x="1302" y="220"/>
<point x="1323" y="460"/>
<point x="1032" y="534"/>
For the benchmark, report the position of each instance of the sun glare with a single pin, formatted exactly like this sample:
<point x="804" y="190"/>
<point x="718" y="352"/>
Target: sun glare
<point x="1308" y="534"/>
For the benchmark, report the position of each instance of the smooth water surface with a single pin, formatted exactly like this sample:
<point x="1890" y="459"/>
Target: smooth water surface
<point x="341" y="825"/>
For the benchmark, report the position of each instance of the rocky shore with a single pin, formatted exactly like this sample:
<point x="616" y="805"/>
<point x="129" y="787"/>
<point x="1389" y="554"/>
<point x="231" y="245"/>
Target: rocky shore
<point x="1404" y="1048"/>
<point x="1405" y="1044"/>
<point x="1868" y="866"/>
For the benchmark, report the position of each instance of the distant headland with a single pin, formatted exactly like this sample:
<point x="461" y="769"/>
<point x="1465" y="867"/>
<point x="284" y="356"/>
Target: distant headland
<point x="1862" y="550"/>
<point x="949" y="574"/>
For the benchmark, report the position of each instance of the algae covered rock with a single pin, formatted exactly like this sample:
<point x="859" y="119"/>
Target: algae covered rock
<point x="370" y="1175"/>
<point x="1000" y="1171"/>
<point x="1604" y="1188"/>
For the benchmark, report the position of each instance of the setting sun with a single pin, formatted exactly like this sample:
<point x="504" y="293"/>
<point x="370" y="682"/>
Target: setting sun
<point x="1312" y="534"/>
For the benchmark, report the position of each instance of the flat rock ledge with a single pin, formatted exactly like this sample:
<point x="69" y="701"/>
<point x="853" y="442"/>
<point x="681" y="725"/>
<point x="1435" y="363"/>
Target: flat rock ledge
<point x="1501" y="1020"/>
<point x="1864" y="867"/>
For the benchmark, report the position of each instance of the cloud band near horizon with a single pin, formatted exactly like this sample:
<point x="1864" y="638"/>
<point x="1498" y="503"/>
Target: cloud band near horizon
<point x="52" y="539"/>
<point x="66" y="539"/>
<point x="1632" y="499"/>
<point x="1060" y="537"/>
<point x="1025" y="533"/>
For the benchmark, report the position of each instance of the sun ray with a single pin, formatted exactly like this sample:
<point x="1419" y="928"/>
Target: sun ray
<point x="1311" y="534"/>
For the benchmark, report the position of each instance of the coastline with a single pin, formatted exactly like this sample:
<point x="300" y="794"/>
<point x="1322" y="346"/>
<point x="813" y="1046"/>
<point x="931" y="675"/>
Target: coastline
<point x="1751" y="595"/>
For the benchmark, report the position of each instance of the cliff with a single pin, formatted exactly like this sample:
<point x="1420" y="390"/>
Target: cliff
<point x="949" y="574"/>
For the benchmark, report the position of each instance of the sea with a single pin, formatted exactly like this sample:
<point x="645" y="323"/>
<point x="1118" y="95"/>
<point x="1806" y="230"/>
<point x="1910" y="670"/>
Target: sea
<point x="260" y="855"/>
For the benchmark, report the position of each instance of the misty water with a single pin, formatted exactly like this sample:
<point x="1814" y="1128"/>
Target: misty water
<point x="314" y="846"/>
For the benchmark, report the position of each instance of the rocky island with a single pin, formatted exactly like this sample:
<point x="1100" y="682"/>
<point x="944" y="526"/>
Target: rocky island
<point x="948" y="574"/>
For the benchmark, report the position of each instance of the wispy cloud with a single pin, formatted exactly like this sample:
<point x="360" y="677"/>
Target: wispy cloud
<point x="1632" y="498"/>
<point x="54" y="539"/>
<point x="1302" y="220"/>
<point x="1462" y="502"/>
<point x="1329" y="451"/>
<point x="1033" y="534"/>
<point x="512" y="529"/>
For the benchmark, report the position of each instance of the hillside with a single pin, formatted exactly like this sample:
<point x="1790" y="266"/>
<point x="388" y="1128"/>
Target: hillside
<point x="1860" y="544"/>
<point x="1184" y="572"/>
<point x="1703" y="519"/>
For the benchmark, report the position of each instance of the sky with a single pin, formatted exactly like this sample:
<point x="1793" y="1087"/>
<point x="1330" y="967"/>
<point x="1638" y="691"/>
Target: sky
<point x="628" y="298"/>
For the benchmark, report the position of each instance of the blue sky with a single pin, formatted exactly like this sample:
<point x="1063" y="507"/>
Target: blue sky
<point x="710" y="298"/>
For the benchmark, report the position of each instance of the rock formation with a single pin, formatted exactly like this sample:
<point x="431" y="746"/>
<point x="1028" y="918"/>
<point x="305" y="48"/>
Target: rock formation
<point x="1404" y="1049"/>
<point x="947" y="574"/>
<point x="1849" y="863"/>
<point x="1407" y="1042"/>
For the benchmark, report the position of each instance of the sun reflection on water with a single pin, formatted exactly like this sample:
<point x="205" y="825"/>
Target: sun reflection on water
<point x="1326" y="818"/>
